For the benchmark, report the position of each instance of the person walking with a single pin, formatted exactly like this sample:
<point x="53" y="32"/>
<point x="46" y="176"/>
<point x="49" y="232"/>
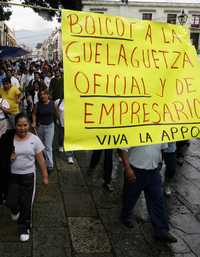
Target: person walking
<point x="59" y="103"/>
<point x="43" y="119"/>
<point x="108" y="165"/>
<point x="6" y="149"/>
<point x="47" y="79"/>
<point x="29" y="92"/>
<point x="12" y="94"/>
<point x="24" y="147"/>
<point x="142" y="173"/>
<point x="13" y="77"/>
<point x="56" y="86"/>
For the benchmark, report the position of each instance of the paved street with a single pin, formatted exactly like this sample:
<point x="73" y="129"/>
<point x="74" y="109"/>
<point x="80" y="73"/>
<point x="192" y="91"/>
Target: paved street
<point x="75" y="217"/>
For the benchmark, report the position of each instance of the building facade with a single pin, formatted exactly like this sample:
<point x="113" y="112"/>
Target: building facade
<point x="57" y="45"/>
<point x="52" y="47"/>
<point x="7" y="36"/>
<point x="158" y="10"/>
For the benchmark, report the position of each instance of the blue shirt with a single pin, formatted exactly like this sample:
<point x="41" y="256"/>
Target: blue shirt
<point x="1" y="79"/>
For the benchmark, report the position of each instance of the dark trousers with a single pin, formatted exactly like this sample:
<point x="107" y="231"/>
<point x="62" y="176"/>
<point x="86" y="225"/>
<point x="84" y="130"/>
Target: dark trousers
<point x="148" y="181"/>
<point x="61" y="141"/>
<point x="20" y="197"/>
<point x="108" y="163"/>
<point x="60" y="135"/>
<point x="170" y="162"/>
<point x="3" y="186"/>
<point x="180" y="148"/>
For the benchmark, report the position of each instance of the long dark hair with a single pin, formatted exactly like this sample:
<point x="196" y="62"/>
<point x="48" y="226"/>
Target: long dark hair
<point x="21" y="115"/>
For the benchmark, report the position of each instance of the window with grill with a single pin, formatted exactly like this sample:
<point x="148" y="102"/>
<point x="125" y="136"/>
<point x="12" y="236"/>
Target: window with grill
<point x="171" y="18"/>
<point x="195" y="21"/>
<point x="147" y="16"/>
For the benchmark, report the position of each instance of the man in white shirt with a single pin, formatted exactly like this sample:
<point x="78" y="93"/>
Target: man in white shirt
<point x="142" y="173"/>
<point x="47" y="79"/>
<point x="13" y="77"/>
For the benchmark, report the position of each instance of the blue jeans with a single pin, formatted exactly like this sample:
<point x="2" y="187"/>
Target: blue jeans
<point x="148" y="181"/>
<point x="46" y="134"/>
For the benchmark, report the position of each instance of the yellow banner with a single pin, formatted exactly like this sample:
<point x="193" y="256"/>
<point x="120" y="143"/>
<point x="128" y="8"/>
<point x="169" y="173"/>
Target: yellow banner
<point x="127" y="82"/>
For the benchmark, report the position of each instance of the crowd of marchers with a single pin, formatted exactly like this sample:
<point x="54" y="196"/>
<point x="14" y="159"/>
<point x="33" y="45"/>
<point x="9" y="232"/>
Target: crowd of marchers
<point x="31" y="105"/>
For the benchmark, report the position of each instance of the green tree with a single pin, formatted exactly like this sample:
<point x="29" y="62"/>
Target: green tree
<point x="4" y="12"/>
<point x="48" y="15"/>
<point x="38" y="46"/>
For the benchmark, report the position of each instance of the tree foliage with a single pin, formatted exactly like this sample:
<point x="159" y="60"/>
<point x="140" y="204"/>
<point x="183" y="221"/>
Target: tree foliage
<point x="4" y="12"/>
<point x="48" y="15"/>
<point x="38" y="46"/>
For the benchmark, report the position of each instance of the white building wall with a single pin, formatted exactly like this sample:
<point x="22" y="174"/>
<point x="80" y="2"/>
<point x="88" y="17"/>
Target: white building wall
<point x="7" y="36"/>
<point x="158" y="8"/>
<point x="57" y="42"/>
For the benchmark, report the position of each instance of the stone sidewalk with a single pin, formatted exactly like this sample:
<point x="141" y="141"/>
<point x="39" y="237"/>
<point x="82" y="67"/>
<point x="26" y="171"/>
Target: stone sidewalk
<point x="74" y="217"/>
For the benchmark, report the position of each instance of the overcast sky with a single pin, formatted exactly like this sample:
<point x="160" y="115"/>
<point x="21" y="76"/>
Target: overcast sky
<point x="27" y="19"/>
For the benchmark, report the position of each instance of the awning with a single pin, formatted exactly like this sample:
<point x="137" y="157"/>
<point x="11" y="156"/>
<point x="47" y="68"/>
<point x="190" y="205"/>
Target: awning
<point x="7" y="52"/>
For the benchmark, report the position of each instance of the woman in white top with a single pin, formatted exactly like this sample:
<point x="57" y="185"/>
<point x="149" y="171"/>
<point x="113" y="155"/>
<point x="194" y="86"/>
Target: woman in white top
<point x="21" y="191"/>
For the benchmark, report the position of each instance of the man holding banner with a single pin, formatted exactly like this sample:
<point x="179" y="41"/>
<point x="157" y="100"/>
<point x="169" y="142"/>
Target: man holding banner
<point x="130" y="83"/>
<point x="142" y="173"/>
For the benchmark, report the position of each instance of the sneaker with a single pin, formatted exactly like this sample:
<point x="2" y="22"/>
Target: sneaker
<point x="168" y="190"/>
<point x="25" y="236"/>
<point x="108" y="187"/>
<point x="15" y="217"/>
<point x="70" y="160"/>
<point x="180" y="160"/>
<point x="60" y="149"/>
<point x="167" y="238"/>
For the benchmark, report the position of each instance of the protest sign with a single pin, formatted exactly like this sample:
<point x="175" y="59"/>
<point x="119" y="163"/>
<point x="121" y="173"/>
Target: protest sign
<point x="127" y="82"/>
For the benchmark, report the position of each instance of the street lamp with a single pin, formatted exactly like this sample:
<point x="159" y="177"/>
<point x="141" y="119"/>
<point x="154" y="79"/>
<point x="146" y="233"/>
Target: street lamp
<point x="59" y="12"/>
<point x="5" y="35"/>
<point x="182" y="18"/>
